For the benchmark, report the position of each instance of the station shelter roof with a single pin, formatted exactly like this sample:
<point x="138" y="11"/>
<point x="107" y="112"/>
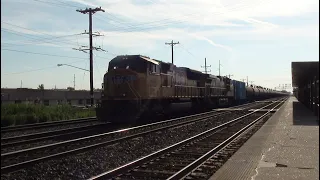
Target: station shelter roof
<point x="303" y="72"/>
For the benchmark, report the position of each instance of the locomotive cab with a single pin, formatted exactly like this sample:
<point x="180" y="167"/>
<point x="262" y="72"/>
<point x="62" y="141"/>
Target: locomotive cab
<point x="129" y="85"/>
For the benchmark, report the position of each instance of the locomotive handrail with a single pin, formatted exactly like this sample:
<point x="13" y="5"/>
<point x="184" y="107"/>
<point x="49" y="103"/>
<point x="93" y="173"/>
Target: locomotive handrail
<point x="134" y="93"/>
<point x="199" y="87"/>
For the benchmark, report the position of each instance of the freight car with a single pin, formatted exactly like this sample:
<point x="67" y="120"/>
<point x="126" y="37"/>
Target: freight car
<point x="135" y="85"/>
<point x="254" y="93"/>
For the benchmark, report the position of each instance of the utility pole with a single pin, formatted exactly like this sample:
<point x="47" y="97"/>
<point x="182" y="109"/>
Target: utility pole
<point x="74" y="81"/>
<point x="90" y="11"/>
<point x="21" y="84"/>
<point x="219" y="67"/>
<point x="205" y="66"/>
<point x="172" y="44"/>
<point x="251" y="82"/>
<point x="229" y="75"/>
<point x="247" y="81"/>
<point x="243" y="80"/>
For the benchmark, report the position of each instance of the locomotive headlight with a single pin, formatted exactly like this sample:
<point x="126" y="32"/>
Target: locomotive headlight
<point x="123" y="95"/>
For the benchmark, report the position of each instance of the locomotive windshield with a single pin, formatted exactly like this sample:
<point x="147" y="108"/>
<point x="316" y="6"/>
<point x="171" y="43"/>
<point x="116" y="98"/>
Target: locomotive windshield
<point x="132" y="64"/>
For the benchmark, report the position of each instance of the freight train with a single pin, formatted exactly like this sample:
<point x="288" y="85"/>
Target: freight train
<point x="135" y="85"/>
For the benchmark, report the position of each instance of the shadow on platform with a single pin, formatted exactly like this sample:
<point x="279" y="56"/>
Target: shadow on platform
<point x="302" y="116"/>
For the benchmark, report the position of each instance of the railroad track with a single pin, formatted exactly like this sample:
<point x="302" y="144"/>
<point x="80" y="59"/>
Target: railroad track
<point x="15" y="143"/>
<point x="12" y="161"/>
<point x="46" y="124"/>
<point x="198" y="156"/>
<point x="19" y="133"/>
<point x="55" y="135"/>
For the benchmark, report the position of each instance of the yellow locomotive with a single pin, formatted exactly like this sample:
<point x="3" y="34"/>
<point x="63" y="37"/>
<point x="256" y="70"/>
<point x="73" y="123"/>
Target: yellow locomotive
<point x="136" y="84"/>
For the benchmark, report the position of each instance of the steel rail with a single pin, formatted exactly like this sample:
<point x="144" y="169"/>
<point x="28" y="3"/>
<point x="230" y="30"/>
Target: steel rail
<point x="34" y="137"/>
<point x="198" y="162"/>
<point x="12" y="167"/>
<point x="45" y="124"/>
<point x="137" y="162"/>
<point x="16" y="166"/>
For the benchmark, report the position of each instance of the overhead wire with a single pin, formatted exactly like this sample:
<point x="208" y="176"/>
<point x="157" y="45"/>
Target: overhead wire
<point x="55" y="55"/>
<point x="174" y="22"/>
<point x="67" y="42"/>
<point x="67" y="4"/>
<point x="118" y="20"/>
<point x="51" y="3"/>
<point x="23" y="35"/>
<point x="39" y="69"/>
<point x="40" y="40"/>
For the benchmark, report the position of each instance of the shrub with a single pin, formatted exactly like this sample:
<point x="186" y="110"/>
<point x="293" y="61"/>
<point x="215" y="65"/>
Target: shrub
<point x="7" y="120"/>
<point x="19" y="114"/>
<point x="31" y="118"/>
<point x="19" y="119"/>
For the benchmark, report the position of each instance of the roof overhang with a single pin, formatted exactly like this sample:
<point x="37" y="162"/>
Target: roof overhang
<point x="303" y="72"/>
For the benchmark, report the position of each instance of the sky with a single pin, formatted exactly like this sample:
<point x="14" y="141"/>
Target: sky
<point x="257" y="39"/>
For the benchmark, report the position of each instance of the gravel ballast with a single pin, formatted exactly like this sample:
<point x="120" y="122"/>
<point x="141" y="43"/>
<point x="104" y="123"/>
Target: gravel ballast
<point x="96" y="161"/>
<point x="104" y="129"/>
<point x="46" y="129"/>
<point x="74" y="145"/>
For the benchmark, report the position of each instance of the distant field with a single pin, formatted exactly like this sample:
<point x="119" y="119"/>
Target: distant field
<point x="19" y="114"/>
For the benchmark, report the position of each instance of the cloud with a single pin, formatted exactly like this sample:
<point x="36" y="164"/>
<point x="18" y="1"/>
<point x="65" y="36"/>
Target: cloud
<point x="156" y="20"/>
<point x="211" y="42"/>
<point x="205" y="12"/>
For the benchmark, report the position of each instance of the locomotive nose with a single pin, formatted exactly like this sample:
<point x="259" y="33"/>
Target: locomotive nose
<point x="123" y="83"/>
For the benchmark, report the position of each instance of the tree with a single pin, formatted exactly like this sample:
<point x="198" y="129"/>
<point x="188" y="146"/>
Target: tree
<point x="41" y="87"/>
<point x="70" y="88"/>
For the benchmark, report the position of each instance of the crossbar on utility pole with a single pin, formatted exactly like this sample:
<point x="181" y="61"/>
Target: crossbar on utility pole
<point x="205" y="66"/>
<point x="172" y="44"/>
<point x="90" y="11"/>
<point x="229" y="75"/>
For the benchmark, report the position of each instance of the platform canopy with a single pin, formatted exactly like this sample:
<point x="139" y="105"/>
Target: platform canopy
<point x="303" y="72"/>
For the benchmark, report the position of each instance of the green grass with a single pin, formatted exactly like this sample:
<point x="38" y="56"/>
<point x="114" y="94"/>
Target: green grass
<point x="19" y="114"/>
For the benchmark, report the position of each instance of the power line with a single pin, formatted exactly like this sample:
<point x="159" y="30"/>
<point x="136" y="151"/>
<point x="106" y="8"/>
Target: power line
<point x="38" y="41"/>
<point x="144" y="32"/>
<point x="152" y="22"/>
<point x="67" y="4"/>
<point x="187" y="51"/>
<point x="52" y="3"/>
<point x="28" y="52"/>
<point x="23" y="35"/>
<point x="40" y="69"/>
<point x="187" y="17"/>
<point x="67" y="42"/>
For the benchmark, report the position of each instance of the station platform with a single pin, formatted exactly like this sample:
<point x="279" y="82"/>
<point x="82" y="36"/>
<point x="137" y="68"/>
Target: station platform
<point x="286" y="147"/>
